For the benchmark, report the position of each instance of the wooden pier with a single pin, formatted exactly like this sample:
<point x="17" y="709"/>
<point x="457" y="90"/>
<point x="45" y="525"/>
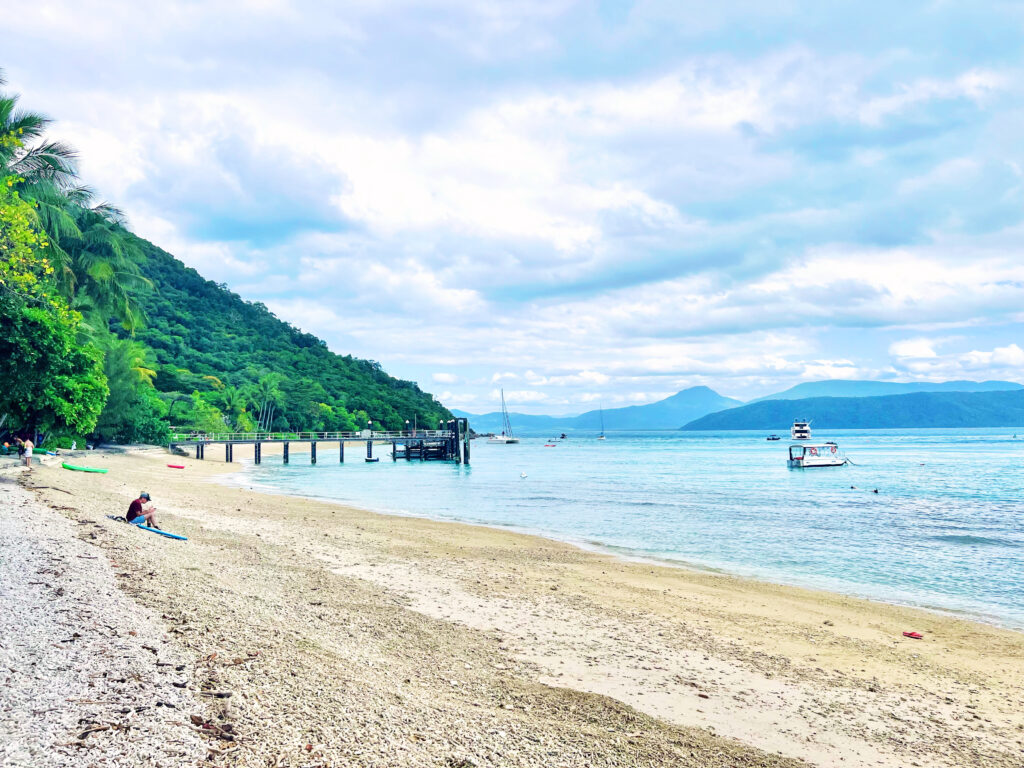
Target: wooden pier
<point x="448" y="444"/>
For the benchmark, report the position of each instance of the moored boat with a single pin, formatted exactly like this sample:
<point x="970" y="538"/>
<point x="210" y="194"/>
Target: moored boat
<point x="772" y="438"/>
<point x="811" y="456"/>
<point x="801" y="430"/>
<point x="506" y="436"/>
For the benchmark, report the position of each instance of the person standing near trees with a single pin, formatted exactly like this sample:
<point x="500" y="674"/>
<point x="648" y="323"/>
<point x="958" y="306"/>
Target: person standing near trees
<point x="27" y="445"/>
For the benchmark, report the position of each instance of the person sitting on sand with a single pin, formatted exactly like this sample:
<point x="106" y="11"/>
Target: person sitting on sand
<point x="140" y="512"/>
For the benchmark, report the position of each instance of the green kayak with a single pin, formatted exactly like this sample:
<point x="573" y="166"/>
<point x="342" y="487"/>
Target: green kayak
<point x="83" y="469"/>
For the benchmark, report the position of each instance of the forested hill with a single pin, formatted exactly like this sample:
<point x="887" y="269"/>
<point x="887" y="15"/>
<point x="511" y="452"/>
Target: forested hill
<point x="247" y="361"/>
<point x="918" y="410"/>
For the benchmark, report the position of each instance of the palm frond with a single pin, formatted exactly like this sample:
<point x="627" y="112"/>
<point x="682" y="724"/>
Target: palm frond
<point x="25" y="125"/>
<point x="79" y="194"/>
<point x="109" y="212"/>
<point x="53" y="161"/>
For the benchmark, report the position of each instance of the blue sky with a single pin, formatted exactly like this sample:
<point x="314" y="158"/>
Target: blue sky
<point x="578" y="202"/>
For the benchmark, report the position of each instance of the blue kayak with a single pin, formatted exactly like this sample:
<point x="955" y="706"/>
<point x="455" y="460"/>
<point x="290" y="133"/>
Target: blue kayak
<point x="162" y="533"/>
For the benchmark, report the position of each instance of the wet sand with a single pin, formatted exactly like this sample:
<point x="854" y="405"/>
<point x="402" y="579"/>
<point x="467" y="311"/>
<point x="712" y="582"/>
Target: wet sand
<point x="383" y="640"/>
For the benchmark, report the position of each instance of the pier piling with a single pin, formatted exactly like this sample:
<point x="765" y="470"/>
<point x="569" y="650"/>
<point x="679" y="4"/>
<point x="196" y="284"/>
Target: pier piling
<point x="448" y="443"/>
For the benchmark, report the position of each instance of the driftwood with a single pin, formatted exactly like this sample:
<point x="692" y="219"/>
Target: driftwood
<point x="92" y="729"/>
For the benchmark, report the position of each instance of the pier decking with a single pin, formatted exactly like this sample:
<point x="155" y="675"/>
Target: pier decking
<point x="450" y="444"/>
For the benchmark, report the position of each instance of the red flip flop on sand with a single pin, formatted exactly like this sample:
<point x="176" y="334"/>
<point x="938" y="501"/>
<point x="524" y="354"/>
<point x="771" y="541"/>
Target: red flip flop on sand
<point x="915" y="635"/>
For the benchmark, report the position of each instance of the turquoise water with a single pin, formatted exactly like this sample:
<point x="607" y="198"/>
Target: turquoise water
<point x="944" y="531"/>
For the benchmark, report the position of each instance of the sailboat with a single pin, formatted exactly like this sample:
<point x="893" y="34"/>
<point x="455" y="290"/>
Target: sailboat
<point x="601" y="436"/>
<point x="506" y="435"/>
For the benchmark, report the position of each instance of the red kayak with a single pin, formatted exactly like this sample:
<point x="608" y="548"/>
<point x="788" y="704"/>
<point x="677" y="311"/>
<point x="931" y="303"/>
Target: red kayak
<point x="914" y="635"/>
<point x="176" y="466"/>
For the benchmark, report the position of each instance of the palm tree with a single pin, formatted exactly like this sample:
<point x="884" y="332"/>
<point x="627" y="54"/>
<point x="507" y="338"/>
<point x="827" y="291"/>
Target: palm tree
<point x="232" y="402"/>
<point x="24" y="152"/>
<point x="101" y="264"/>
<point x="265" y="397"/>
<point x="87" y="244"/>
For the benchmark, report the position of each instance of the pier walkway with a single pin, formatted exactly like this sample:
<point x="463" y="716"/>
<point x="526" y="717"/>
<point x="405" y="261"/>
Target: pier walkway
<point x="449" y="444"/>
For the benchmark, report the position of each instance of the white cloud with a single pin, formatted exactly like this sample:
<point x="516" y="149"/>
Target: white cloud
<point x="445" y="378"/>
<point x="919" y="347"/>
<point x="975" y="85"/>
<point x="520" y="396"/>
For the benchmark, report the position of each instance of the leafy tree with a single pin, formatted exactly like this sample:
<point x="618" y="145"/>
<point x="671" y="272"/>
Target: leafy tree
<point x="203" y="416"/>
<point x="48" y="380"/>
<point x="134" y="412"/>
<point x="232" y="403"/>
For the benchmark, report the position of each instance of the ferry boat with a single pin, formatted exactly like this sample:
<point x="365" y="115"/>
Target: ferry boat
<point x="801" y="430"/>
<point x="809" y="456"/>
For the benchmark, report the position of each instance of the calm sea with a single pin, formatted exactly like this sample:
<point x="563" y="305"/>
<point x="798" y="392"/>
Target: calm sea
<point x="944" y="531"/>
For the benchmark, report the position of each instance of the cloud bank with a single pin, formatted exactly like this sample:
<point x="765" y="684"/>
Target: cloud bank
<point x="579" y="203"/>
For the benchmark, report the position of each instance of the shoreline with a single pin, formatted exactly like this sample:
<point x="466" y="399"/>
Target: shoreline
<point x="632" y="555"/>
<point x="529" y="633"/>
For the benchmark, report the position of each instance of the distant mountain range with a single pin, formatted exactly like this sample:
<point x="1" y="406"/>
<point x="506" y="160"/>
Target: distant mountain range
<point x="669" y="413"/>
<point x="915" y="410"/>
<point x="848" y="388"/>
<point x="857" y="404"/>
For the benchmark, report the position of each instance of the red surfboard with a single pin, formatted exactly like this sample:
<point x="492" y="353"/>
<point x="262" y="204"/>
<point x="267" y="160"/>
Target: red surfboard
<point x="176" y="466"/>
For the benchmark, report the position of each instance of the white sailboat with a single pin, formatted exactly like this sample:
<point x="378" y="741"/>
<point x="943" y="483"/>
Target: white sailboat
<point x="601" y="436"/>
<point x="506" y="436"/>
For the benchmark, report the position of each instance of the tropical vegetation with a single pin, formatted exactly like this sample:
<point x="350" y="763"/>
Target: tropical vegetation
<point x="105" y="337"/>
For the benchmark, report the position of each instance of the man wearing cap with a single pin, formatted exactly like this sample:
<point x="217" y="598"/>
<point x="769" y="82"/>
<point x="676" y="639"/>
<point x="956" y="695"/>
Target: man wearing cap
<point x="140" y="512"/>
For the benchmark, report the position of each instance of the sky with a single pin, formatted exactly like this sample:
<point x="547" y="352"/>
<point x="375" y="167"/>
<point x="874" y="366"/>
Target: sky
<point x="581" y="203"/>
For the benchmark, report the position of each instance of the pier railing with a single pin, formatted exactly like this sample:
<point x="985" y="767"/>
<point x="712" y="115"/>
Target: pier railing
<point x="183" y="437"/>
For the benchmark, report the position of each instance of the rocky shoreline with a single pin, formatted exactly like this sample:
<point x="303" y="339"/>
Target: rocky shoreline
<point x="88" y="678"/>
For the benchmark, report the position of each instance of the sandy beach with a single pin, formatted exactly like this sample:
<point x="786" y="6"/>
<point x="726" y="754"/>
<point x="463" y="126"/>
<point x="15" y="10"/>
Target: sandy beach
<point x="312" y="634"/>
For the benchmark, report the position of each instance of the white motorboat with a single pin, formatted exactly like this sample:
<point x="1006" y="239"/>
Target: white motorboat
<point x="801" y="430"/>
<point x="805" y="456"/>
<point x="507" y="436"/>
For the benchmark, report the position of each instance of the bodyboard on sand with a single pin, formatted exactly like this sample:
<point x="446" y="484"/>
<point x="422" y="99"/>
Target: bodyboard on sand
<point x="84" y="469"/>
<point x="162" y="533"/>
<point x="176" y="466"/>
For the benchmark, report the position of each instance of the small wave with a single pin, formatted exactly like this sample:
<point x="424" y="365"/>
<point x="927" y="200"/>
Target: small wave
<point x="976" y="540"/>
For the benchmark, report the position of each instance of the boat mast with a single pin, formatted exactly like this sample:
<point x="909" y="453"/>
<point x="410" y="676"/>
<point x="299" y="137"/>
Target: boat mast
<point x="504" y="416"/>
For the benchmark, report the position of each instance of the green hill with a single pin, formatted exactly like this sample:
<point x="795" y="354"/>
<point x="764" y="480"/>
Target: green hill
<point x="198" y="329"/>
<point x="917" y="410"/>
